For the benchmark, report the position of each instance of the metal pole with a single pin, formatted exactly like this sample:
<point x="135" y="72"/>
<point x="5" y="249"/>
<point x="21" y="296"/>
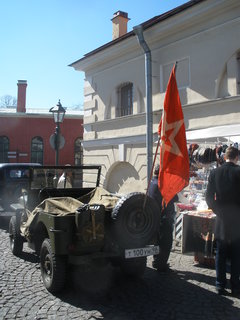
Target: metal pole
<point x="57" y="134"/>
<point x="148" y="82"/>
<point x="149" y="181"/>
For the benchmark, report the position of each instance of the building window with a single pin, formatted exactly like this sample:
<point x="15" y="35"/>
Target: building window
<point x="125" y="100"/>
<point x="78" y="152"/>
<point x="4" y="148"/>
<point x="37" y="150"/>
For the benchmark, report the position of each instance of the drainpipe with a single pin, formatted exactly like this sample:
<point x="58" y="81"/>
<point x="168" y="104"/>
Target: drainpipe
<point x="138" y="30"/>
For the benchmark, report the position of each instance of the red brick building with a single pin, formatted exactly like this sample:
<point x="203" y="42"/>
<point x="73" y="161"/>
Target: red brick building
<point x="25" y="136"/>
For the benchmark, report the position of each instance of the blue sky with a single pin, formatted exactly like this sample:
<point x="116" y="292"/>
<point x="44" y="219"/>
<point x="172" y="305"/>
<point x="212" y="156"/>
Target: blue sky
<point x="40" y="38"/>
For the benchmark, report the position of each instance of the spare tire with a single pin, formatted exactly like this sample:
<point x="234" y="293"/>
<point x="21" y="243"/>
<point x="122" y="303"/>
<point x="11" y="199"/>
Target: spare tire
<point x="135" y="224"/>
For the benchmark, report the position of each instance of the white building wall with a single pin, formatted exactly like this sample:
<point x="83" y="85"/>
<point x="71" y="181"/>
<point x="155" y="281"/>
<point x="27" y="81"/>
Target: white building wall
<point x="204" y="40"/>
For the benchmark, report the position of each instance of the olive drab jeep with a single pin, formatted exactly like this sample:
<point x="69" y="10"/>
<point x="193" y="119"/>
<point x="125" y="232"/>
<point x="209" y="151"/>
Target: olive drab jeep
<point x="67" y="218"/>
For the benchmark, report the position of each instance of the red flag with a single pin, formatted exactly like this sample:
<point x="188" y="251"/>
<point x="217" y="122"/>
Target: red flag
<point x="174" y="160"/>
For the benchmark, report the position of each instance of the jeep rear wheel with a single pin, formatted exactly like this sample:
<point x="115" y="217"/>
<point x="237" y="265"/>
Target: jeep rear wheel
<point x="53" y="268"/>
<point x="135" y="224"/>
<point x="16" y="240"/>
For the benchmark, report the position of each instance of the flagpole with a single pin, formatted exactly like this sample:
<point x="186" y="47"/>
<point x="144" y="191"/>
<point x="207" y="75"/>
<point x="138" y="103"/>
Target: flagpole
<point x="175" y="67"/>
<point x="150" y="178"/>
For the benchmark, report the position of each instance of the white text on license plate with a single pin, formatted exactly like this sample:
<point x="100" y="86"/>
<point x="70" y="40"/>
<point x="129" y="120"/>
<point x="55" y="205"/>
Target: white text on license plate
<point x="141" y="252"/>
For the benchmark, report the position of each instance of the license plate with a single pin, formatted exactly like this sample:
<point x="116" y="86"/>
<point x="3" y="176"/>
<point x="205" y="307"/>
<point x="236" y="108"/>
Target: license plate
<point x="141" y="252"/>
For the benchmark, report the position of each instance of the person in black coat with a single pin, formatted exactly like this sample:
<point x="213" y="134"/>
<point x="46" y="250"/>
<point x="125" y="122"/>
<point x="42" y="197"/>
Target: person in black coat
<point x="223" y="197"/>
<point x="165" y="232"/>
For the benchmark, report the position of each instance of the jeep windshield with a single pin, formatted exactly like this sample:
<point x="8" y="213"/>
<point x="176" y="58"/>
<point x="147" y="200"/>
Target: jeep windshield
<point x="65" y="177"/>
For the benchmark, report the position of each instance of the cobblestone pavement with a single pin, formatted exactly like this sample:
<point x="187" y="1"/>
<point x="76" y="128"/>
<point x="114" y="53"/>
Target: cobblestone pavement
<point x="186" y="293"/>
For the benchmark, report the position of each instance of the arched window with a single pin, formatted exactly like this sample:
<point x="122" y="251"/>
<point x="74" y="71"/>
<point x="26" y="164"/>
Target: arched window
<point x="125" y="100"/>
<point x="78" y="152"/>
<point x="4" y="147"/>
<point x="37" y="150"/>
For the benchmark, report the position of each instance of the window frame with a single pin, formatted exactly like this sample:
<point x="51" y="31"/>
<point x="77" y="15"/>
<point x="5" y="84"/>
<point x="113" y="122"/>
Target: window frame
<point x="78" y="151"/>
<point x="4" y="149"/>
<point x="39" y="153"/>
<point x="125" y="99"/>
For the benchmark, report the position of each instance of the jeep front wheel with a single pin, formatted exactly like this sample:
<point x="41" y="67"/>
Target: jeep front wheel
<point x="16" y="240"/>
<point x="53" y="268"/>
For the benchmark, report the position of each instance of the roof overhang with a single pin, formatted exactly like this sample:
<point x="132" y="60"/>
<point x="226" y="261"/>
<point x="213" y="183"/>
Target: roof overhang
<point x="81" y="63"/>
<point x="230" y="132"/>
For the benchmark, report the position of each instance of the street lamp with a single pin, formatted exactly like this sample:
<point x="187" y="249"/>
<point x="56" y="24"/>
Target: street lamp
<point x="58" y="115"/>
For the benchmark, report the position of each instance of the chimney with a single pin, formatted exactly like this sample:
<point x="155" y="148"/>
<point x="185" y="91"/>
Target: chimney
<point x="119" y="24"/>
<point x="21" y="97"/>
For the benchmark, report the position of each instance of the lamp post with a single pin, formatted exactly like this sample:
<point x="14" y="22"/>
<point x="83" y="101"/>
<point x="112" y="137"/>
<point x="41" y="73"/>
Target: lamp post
<point x="58" y="115"/>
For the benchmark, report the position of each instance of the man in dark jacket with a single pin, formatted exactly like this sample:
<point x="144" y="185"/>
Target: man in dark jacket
<point x="223" y="197"/>
<point x="165" y="232"/>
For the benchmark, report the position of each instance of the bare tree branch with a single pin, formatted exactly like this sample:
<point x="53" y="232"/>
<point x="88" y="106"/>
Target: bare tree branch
<point x="8" y="101"/>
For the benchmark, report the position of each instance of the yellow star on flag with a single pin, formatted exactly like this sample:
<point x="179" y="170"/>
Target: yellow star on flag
<point x="168" y="134"/>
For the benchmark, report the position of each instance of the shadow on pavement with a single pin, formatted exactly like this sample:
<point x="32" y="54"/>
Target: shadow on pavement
<point x="178" y="295"/>
<point x="29" y="257"/>
<point x="198" y="277"/>
<point x="156" y="296"/>
<point x="4" y="222"/>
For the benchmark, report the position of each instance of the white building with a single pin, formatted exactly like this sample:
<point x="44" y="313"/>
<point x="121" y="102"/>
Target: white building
<point x="203" y="36"/>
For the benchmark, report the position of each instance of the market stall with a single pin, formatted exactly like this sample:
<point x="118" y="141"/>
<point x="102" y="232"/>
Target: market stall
<point x="206" y="152"/>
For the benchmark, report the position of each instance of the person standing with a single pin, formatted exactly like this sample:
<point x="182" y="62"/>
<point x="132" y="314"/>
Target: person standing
<point x="223" y="197"/>
<point x="165" y="232"/>
<point x="65" y="180"/>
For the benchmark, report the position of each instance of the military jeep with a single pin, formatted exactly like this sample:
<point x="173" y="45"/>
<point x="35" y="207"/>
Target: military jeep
<point x="80" y="223"/>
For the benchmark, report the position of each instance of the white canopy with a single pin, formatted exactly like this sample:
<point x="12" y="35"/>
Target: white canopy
<point x="227" y="132"/>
